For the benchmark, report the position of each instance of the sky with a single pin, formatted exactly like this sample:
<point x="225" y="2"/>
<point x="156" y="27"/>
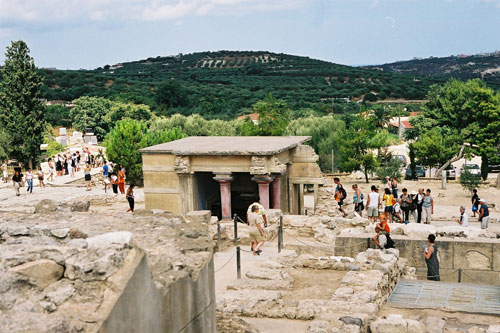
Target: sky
<point x="73" y="34"/>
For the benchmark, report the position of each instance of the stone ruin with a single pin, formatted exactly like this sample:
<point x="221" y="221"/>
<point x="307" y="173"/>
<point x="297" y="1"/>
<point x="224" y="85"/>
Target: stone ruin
<point x="71" y="272"/>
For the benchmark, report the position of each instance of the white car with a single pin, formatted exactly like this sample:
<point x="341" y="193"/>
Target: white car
<point x="472" y="168"/>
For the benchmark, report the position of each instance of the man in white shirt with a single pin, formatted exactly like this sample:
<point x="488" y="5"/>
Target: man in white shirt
<point x="373" y="204"/>
<point x="464" y="218"/>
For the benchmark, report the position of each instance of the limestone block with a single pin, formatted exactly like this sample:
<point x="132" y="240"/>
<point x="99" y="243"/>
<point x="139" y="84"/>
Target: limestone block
<point x="452" y="231"/>
<point x="418" y="230"/>
<point x="273" y="216"/>
<point x="396" y="228"/>
<point x="108" y="239"/>
<point x="476" y="232"/>
<point x="295" y="221"/>
<point x="245" y="284"/>
<point x="61" y="294"/>
<point x="199" y="216"/>
<point x="45" y="206"/>
<point x="78" y="243"/>
<point x="79" y="205"/>
<point x="349" y="232"/>
<point x="434" y="324"/>
<point x="44" y="271"/>
<point x="473" y="255"/>
<point x="262" y="273"/>
<point x="494" y="329"/>
<point x="18" y="231"/>
<point x="214" y="220"/>
<point x="60" y="233"/>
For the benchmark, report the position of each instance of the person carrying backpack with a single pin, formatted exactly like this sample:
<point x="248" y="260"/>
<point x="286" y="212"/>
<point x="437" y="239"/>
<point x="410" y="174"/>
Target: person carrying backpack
<point x="340" y="195"/>
<point x="357" y="199"/>
<point x="406" y="202"/>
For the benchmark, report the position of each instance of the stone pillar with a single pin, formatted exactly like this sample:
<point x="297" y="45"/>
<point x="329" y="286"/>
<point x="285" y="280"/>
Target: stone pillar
<point x="225" y="193"/>
<point x="276" y="188"/>
<point x="263" y="182"/>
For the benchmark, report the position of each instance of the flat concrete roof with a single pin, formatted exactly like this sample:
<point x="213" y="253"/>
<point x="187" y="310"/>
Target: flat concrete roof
<point x="228" y="145"/>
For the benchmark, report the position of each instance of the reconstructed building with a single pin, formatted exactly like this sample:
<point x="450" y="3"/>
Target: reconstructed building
<point x="226" y="174"/>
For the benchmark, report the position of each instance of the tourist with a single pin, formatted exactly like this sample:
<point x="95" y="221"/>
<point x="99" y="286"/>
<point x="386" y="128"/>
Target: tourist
<point x="40" y="177"/>
<point x="130" y="198"/>
<point x="105" y="176"/>
<point x="340" y="195"/>
<point x="88" y="177"/>
<point x="72" y="165"/>
<point x="255" y="230"/>
<point x="475" y="202"/>
<point x="5" y="172"/>
<point x="114" y="183"/>
<point x="373" y="204"/>
<point x="484" y="214"/>
<point x="419" y="203"/>
<point x="428" y="206"/>
<point x="388" y="183"/>
<point x="357" y="199"/>
<point x="389" y="202"/>
<point x="65" y="165"/>
<point x="431" y="259"/>
<point x="51" y="170"/>
<point x="261" y="211"/>
<point x="29" y="180"/>
<point x="464" y="218"/>
<point x="77" y="161"/>
<point x="17" y="180"/>
<point x="396" y="211"/>
<point x="405" y="205"/>
<point x="121" y="179"/>
<point x="59" y="165"/>
<point x="382" y="232"/>
<point x="413" y="206"/>
<point x="394" y="185"/>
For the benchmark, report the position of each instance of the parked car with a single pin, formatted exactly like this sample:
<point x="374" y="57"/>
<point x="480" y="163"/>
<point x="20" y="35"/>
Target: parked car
<point x="494" y="168"/>
<point x="451" y="172"/>
<point x="472" y="168"/>
<point x="400" y="158"/>
<point x="419" y="172"/>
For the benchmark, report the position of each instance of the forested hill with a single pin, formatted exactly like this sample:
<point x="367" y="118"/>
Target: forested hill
<point x="484" y="66"/>
<point x="230" y="81"/>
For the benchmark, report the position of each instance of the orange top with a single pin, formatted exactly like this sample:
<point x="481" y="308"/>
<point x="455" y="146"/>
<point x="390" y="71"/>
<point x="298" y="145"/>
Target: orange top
<point x="385" y="226"/>
<point x="121" y="177"/>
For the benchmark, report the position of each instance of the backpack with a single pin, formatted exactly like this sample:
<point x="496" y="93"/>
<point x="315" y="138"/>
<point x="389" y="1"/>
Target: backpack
<point x="390" y="243"/>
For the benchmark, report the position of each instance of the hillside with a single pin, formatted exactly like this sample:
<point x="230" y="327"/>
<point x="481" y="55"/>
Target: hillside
<point x="232" y="81"/>
<point x="484" y="66"/>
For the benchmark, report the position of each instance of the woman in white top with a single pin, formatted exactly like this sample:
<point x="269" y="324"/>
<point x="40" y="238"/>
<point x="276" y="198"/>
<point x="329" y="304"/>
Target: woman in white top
<point x="464" y="218"/>
<point x="29" y="180"/>
<point x="255" y="232"/>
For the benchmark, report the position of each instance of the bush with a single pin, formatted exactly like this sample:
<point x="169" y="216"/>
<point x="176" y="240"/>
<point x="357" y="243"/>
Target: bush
<point x="469" y="181"/>
<point x="389" y="169"/>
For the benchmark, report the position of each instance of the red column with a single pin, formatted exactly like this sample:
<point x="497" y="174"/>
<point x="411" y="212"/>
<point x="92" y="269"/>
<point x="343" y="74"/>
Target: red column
<point x="263" y="183"/>
<point x="225" y="194"/>
<point x="276" y="188"/>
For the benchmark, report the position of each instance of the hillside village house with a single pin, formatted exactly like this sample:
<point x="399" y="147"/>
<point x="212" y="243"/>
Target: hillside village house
<point x="226" y="174"/>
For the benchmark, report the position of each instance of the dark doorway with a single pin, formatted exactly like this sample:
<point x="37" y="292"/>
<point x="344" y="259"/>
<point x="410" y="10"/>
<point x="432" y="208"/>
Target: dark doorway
<point x="244" y="191"/>
<point x="208" y="193"/>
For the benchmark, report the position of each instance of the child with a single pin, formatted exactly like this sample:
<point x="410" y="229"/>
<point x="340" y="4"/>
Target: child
<point x="130" y="198"/>
<point x="382" y="229"/>
<point x="389" y="202"/>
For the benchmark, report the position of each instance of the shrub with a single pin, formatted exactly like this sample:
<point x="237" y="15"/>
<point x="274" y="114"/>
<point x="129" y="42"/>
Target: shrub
<point x="469" y="181"/>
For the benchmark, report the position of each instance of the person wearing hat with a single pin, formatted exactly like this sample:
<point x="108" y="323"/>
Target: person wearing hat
<point x="427" y="207"/>
<point x="484" y="214"/>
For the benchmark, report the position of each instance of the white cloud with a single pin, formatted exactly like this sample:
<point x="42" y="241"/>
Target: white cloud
<point x="149" y="10"/>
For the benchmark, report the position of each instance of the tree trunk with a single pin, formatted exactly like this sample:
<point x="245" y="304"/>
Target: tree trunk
<point x="454" y="159"/>
<point x="484" y="166"/>
<point x="366" y="175"/>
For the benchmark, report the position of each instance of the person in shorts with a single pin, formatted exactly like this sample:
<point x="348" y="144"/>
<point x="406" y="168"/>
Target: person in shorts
<point x="261" y="211"/>
<point x="340" y="195"/>
<point x="130" y="198"/>
<point x="389" y="202"/>
<point x="41" y="177"/>
<point x="105" y="176"/>
<point x="484" y="214"/>
<point x="88" y="177"/>
<point x="5" y="172"/>
<point x="357" y="199"/>
<point x="373" y="204"/>
<point x="255" y="231"/>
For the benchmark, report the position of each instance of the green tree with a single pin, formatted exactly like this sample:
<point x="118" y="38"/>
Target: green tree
<point x="433" y="148"/>
<point x="274" y="116"/>
<point x="5" y="146"/>
<point x="357" y="148"/>
<point x="120" y="110"/>
<point x="128" y="137"/>
<point x="21" y="112"/>
<point x="326" y="136"/>
<point x="469" y="181"/>
<point x="91" y="112"/>
<point x="467" y="113"/>
<point x="123" y="144"/>
<point x="171" y="94"/>
<point x="57" y="115"/>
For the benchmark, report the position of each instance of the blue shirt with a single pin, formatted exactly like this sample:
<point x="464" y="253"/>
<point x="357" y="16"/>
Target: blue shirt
<point x="486" y="212"/>
<point x="105" y="168"/>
